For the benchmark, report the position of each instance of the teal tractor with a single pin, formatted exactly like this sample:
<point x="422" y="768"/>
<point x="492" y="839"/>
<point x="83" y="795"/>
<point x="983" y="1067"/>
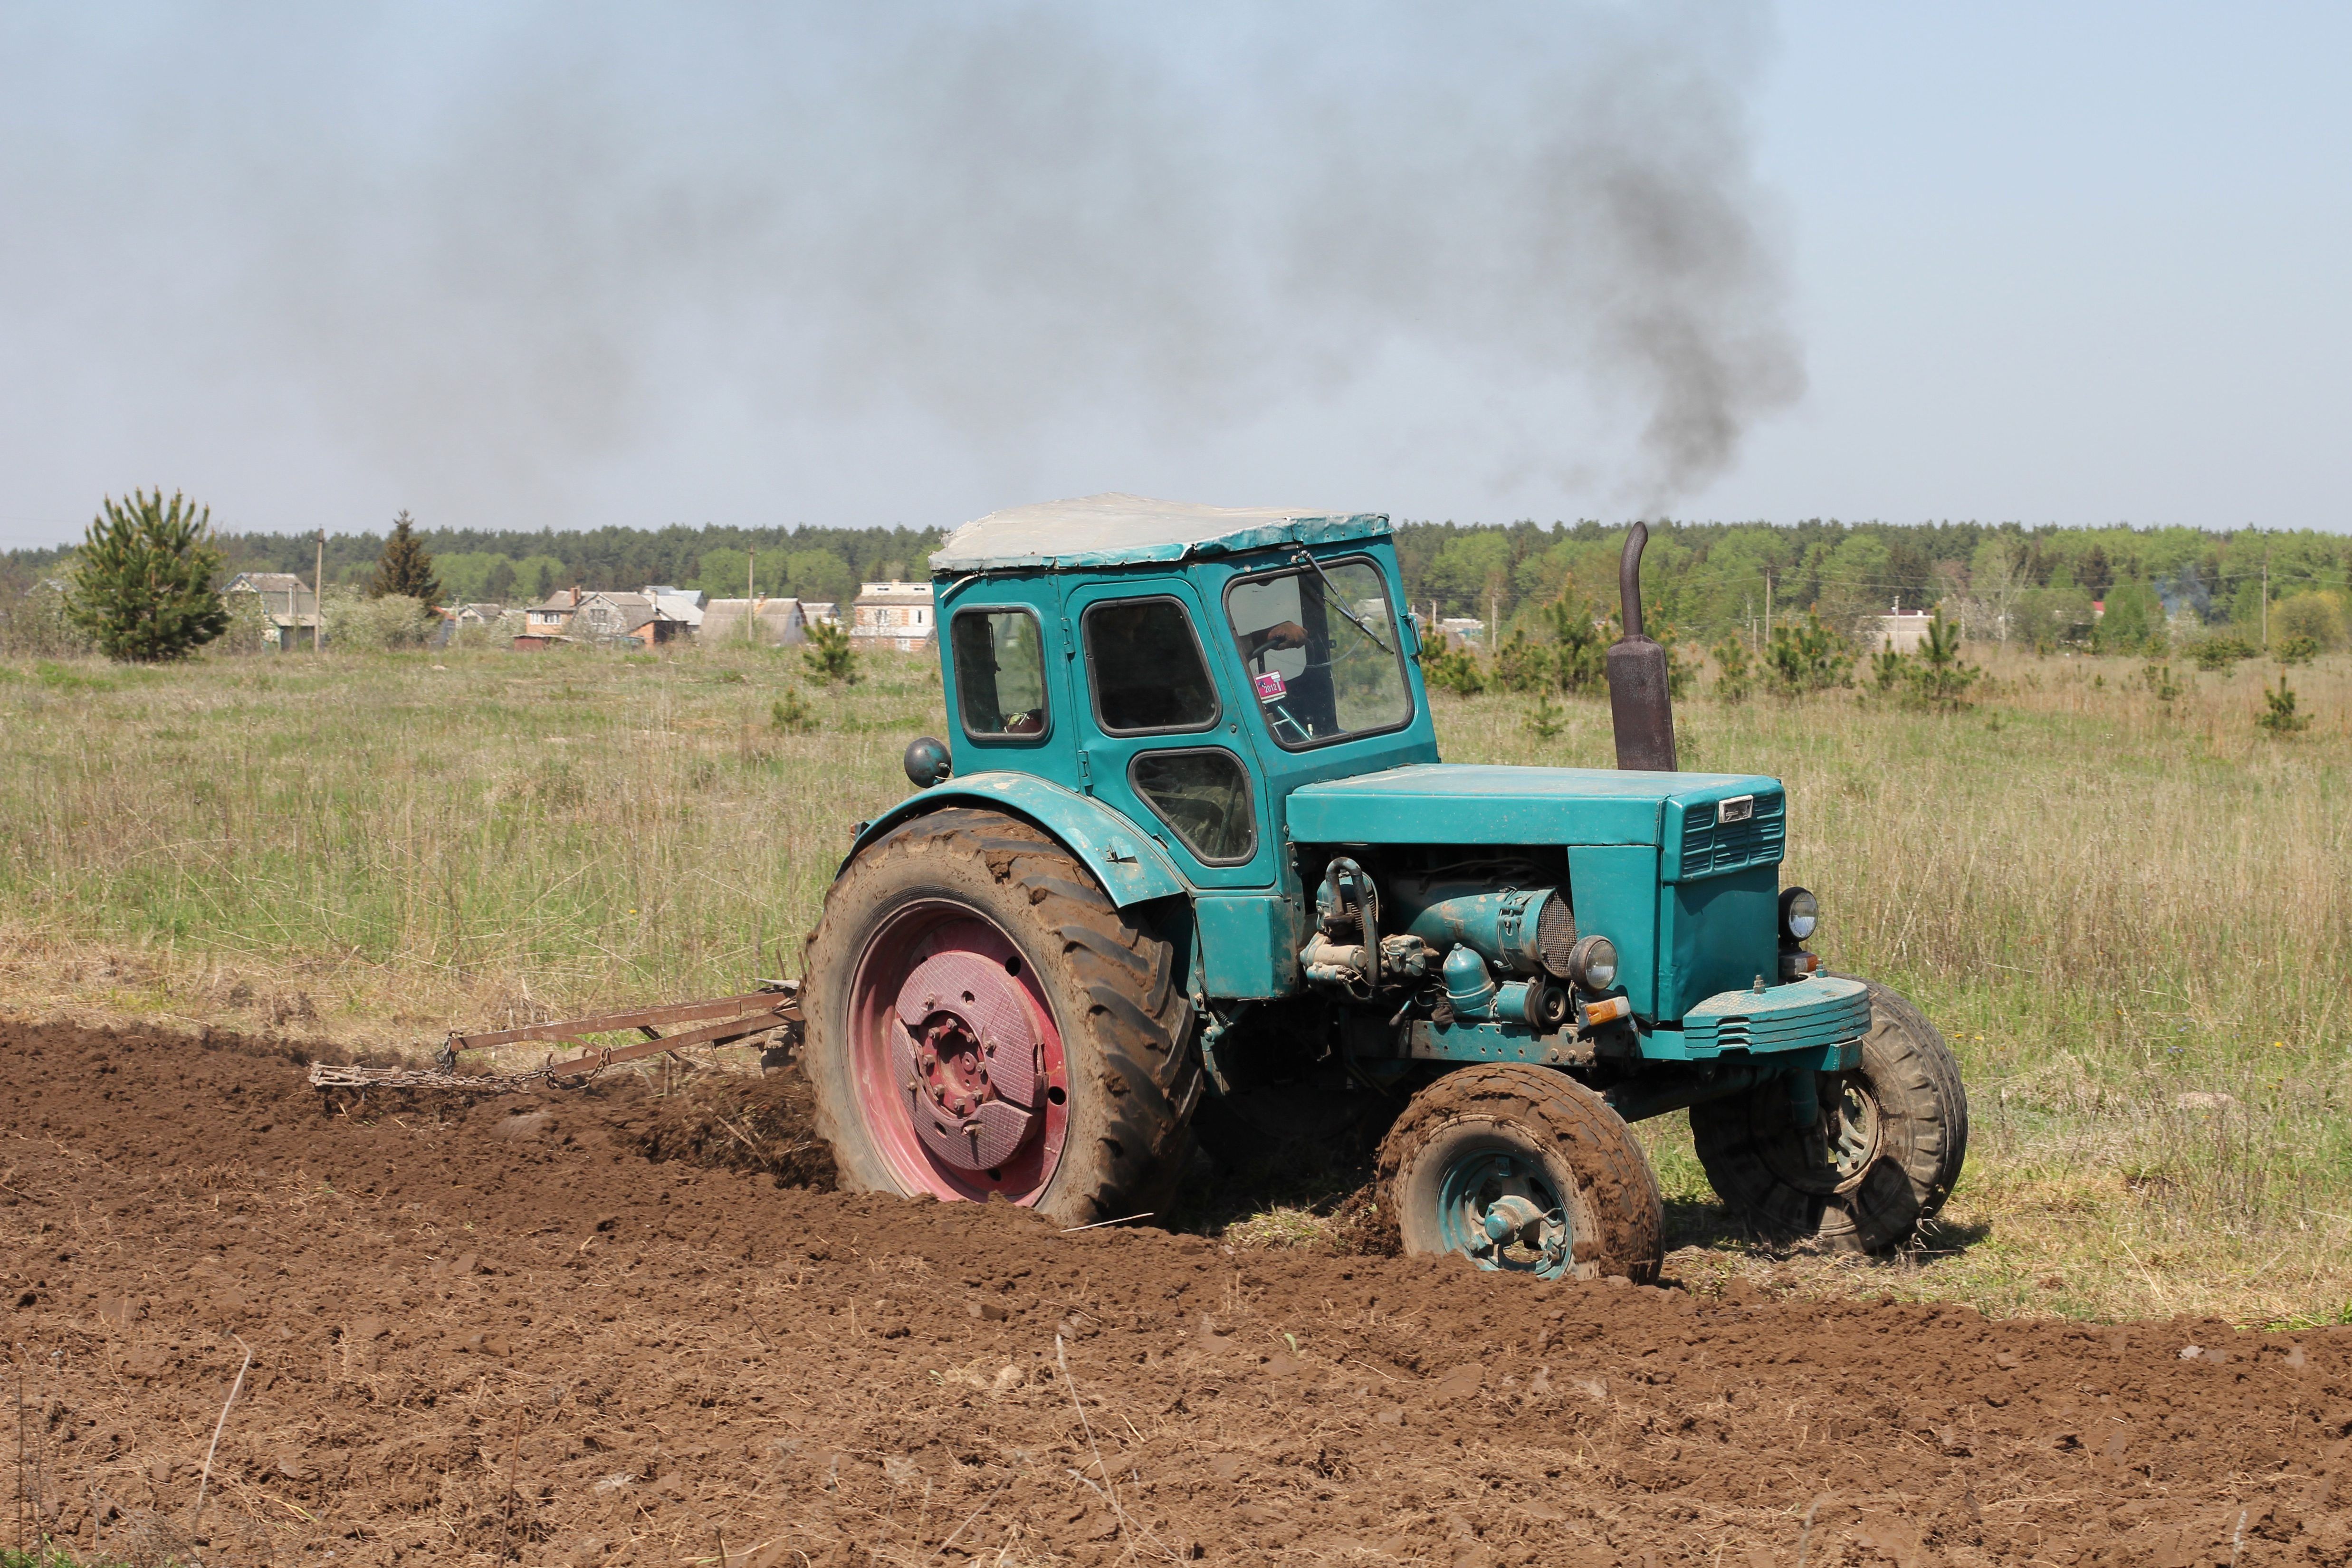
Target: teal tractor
<point x="1190" y="831"/>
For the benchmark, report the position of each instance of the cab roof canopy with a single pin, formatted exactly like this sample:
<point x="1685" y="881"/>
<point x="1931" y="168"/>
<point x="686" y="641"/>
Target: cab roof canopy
<point x="1123" y="530"/>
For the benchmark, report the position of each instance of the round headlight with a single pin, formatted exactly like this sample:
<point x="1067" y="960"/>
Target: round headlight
<point x="1593" y="962"/>
<point x="1799" y="913"/>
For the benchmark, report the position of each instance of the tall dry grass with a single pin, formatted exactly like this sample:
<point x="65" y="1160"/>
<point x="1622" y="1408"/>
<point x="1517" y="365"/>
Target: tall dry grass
<point x="2133" y="920"/>
<point x="2131" y="915"/>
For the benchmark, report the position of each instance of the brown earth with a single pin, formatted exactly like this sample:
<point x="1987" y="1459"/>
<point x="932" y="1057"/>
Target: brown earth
<point x="503" y="1328"/>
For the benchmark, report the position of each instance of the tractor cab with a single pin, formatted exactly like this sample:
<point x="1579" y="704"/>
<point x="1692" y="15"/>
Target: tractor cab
<point x="1185" y="667"/>
<point x="1189" y="826"/>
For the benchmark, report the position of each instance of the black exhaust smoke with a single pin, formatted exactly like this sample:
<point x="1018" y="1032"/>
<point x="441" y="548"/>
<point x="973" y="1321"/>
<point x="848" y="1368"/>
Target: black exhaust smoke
<point x="1640" y="707"/>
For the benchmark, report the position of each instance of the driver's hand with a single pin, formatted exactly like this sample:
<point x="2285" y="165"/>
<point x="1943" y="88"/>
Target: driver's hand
<point x="1283" y="634"/>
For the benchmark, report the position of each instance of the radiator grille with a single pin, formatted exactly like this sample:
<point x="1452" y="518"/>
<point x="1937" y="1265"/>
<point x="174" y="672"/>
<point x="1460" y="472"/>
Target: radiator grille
<point x="1709" y="847"/>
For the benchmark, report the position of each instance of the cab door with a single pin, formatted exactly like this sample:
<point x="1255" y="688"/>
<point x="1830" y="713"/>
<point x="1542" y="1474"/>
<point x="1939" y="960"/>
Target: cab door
<point x="1160" y="731"/>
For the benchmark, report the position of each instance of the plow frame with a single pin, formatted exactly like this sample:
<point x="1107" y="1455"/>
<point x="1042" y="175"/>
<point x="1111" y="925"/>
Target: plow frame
<point x="723" y="1020"/>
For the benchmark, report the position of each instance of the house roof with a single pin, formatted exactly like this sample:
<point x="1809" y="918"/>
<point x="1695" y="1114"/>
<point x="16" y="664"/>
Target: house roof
<point x="1119" y="530"/>
<point x="267" y="582"/>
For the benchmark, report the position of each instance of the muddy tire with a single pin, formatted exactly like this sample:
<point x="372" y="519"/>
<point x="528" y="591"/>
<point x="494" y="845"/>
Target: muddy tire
<point x="1879" y="1162"/>
<point x="1522" y="1169"/>
<point x="985" y="1022"/>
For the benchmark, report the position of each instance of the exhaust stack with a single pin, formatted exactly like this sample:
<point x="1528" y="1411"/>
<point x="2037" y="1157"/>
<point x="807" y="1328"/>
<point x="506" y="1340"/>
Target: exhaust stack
<point x="1640" y="707"/>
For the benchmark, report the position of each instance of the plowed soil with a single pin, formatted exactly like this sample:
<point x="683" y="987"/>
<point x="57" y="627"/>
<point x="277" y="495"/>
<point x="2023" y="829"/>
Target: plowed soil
<point x="503" y="1331"/>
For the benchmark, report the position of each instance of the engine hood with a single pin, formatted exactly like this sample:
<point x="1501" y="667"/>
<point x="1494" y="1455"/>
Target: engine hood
<point x="1463" y="803"/>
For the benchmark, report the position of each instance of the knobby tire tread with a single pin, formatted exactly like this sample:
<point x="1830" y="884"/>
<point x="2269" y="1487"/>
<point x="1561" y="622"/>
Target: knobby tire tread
<point x="1913" y="1077"/>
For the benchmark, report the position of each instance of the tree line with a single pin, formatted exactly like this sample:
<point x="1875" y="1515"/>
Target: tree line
<point x="1995" y="582"/>
<point x="1705" y="582"/>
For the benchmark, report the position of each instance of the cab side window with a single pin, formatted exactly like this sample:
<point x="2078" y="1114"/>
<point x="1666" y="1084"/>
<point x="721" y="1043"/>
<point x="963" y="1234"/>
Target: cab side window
<point x="1205" y="795"/>
<point x="1147" y="669"/>
<point x="1000" y="672"/>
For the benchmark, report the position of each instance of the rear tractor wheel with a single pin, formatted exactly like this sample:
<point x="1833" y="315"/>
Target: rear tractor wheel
<point x="987" y="1024"/>
<point x="1880" y="1158"/>
<point x="1522" y="1169"/>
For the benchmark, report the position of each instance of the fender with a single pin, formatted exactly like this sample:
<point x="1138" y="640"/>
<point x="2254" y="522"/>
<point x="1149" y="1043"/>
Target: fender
<point x="1121" y="857"/>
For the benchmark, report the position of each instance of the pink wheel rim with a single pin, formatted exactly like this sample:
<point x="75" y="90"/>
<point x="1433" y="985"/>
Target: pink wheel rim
<point x="955" y="1057"/>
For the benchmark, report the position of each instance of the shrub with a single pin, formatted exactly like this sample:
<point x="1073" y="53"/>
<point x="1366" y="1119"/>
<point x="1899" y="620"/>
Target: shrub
<point x="1808" y="658"/>
<point x="1580" y="654"/>
<point x="2219" y="652"/>
<point x="2317" y="616"/>
<point x="36" y="623"/>
<point x="1544" y="722"/>
<point x="1886" y="669"/>
<point x="1452" y="669"/>
<point x="360" y="624"/>
<point x="1520" y="666"/>
<point x="142" y="586"/>
<point x="2279" y="718"/>
<point x="1938" y="678"/>
<point x="828" y="656"/>
<point x="2296" y="651"/>
<point x="1735" y="675"/>
<point x="1934" y="677"/>
<point x="792" y="714"/>
<point x="2159" y="682"/>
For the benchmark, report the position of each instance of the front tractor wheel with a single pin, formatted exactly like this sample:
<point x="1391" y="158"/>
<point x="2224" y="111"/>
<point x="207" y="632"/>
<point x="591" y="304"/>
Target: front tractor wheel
<point x="1522" y="1169"/>
<point x="1881" y="1156"/>
<point x="987" y="1024"/>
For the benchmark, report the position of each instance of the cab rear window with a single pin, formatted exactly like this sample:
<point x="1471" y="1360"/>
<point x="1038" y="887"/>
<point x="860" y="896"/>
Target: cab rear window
<point x="1000" y="672"/>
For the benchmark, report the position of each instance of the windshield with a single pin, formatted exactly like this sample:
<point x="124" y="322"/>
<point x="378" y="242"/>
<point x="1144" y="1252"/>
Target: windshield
<point x="1321" y="648"/>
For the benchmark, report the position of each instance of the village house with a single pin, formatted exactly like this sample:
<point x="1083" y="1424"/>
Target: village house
<point x="291" y="610"/>
<point x="648" y="618"/>
<point x="770" y="623"/>
<point x="892" y="614"/>
<point x="548" y="621"/>
<point x="1904" y="631"/>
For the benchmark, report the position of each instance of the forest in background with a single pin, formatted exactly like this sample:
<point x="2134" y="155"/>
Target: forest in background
<point x="1704" y="581"/>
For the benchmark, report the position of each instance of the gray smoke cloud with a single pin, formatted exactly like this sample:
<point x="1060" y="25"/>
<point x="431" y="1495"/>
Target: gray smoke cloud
<point x="493" y="246"/>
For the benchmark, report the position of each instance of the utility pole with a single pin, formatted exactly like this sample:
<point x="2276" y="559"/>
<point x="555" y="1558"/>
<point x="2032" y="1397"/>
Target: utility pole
<point x="1748" y="613"/>
<point x="319" y="598"/>
<point x="2266" y="597"/>
<point x="1767" y="607"/>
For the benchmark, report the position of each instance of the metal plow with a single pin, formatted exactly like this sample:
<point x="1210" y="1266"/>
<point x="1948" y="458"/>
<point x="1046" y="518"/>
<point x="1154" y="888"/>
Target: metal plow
<point x="775" y="1009"/>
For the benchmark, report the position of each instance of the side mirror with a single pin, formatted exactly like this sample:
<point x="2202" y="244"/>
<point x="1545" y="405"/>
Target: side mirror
<point x="1410" y="621"/>
<point x="928" y="761"/>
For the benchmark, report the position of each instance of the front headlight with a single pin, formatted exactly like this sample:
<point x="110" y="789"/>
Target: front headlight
<point x="1800" y="912"/>
<point x="1593" y="962"/>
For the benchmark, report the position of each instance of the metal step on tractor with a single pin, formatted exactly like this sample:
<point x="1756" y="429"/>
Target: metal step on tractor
<point x="1190" y="821"/>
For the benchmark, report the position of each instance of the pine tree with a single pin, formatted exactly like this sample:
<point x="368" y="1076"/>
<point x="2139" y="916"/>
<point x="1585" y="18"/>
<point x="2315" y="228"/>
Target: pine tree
<point x="404" y="568"/>
<point x="143" y="584"/>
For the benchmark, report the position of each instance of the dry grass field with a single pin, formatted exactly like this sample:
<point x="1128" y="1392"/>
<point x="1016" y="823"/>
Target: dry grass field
<point x="2132" y="917"/>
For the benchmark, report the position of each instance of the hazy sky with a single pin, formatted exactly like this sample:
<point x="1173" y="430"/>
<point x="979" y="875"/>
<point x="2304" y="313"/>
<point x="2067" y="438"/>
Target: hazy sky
<point x="577" y="264"/>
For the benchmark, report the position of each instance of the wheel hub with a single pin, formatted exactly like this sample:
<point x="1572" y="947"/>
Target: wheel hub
<point x="965" y="1056"/>
<point x="1843" y="1141"/>
<point x="1505" y="1214"/>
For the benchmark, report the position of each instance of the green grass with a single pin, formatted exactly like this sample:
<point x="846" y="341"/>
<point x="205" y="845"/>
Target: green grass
<point x="2118" y="908"/>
